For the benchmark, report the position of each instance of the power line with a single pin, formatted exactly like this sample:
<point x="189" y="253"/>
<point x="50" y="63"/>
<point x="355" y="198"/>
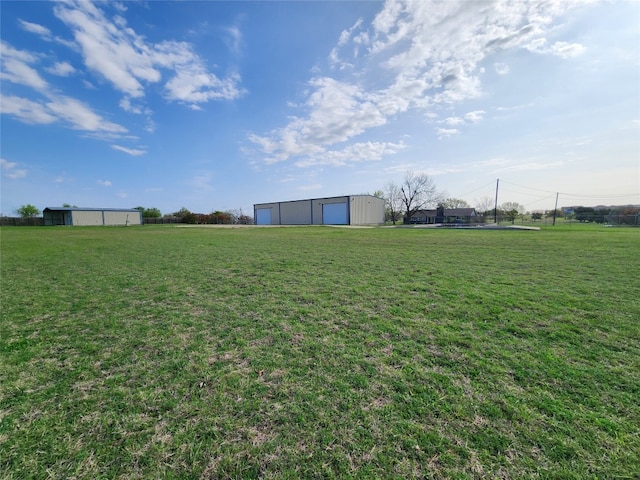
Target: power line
<point x="618" y="195"/>
<point x="542" y="199"/>
<point x="530" y="188"/>
<point x="476" y="189"/>
<point x="577" y="195"/>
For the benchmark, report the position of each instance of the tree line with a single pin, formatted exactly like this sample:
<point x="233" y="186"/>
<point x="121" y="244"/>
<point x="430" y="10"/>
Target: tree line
<point x="419" y="192"/>
<point x="237" y="216"/>
<point x="217" y="217"/>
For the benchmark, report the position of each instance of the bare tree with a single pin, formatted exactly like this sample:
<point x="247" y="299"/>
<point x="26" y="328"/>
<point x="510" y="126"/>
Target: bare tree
<point x="484" y="206"/>
<point x="418" y="191"/>
<point x="393" y="199"/>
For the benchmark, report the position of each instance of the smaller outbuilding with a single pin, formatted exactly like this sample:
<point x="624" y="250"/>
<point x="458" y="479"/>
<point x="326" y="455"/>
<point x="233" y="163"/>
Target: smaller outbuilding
<point x="91" y="216"/>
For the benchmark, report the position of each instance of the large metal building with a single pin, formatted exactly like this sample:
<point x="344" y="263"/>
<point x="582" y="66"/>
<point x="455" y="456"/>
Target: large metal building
<point x="347" y="210"/>
<point x="91" y="216"/>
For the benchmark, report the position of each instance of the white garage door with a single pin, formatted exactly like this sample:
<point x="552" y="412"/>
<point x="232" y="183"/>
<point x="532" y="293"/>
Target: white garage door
<point x="334" y="214"/>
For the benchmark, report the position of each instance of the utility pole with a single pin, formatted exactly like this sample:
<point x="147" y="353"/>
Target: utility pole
<point x="495" y="208"/>
<point x="555" y="208"/>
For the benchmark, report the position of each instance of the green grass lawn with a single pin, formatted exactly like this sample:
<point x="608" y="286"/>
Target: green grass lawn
<point x="165" y="352"/>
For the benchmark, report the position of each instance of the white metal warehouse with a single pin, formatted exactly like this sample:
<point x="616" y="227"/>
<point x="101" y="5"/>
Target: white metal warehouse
<point x="346" y="210"/>
<point x="91" y="216"/>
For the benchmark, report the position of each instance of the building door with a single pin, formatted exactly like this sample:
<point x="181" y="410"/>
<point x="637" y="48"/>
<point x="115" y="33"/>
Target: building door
<point x="263" y="216"/>
<point x="334" y="214"/>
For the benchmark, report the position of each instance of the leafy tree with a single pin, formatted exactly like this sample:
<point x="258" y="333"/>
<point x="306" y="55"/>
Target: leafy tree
<point x="506" y="206"/>
<point x="584" y="214"/>
<point x="219" y="217"/>
<point x="186" y="215"/>
<point x="550" y="213"/>
<point x="149" y="212"/>
<point x="536" y="216"/>
<point x="600" y="215"/>
<point x="28" y="211"/>
<point x="455" y="203"/>
<point x="68" y="205"/>
<point x="418" y="191"/>
<point x="511" y="210"/>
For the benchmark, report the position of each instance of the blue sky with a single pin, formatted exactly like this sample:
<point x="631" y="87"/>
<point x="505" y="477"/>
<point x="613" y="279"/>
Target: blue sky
<point x="220" y="105"/>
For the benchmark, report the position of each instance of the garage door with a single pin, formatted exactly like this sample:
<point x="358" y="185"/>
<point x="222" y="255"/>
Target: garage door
<point x="263" y="216"/>
<point x="334" y="214"/>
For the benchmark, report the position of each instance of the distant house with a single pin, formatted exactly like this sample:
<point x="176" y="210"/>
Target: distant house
<point x="91" y="216"/>
<point x="444" y="215"/>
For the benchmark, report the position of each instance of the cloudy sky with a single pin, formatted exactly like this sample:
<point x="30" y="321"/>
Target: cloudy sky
<point x="220" y="105"/>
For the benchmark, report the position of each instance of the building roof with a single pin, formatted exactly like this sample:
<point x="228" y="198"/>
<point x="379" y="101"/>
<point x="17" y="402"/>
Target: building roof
<point x="318" y="198"/>
<point x="80" y="209"/>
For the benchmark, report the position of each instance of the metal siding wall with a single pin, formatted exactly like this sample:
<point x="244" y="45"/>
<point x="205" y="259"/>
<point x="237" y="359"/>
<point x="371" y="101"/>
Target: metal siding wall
<point x="367" y="210"/>
<point x="295" y="213"/>
<point x="121" y="218"/>
<point x="85" y="217"/>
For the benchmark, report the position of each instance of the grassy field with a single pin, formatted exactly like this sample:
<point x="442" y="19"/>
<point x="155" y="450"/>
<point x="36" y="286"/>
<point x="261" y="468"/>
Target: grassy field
<point x="166" y="352"/>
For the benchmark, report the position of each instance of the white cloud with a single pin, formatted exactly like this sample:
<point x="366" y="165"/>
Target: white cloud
<point x="338" y="112"/>
<point x="475" y="116"/>
<point x="469" y="118"/>
<point x="234" y="39"/>
<point x="44" y="33"/>
<point x="10" y="170"/>
<point x="55" y="107"/>
<point x="446" y="132"/>
<point x="80" y="117"/>
<point x="105" y="183"/>
<point x="501" y="68"/>
<point x="118" y="54"/>
<point x="452" y="121"/>
<point x="131" y="151"/>
<point x="70" y="111"/>
<point x="345" y="36"/>
<point x="26" y="110"/>
<point x="356" y="153"/>
<point x="125" y="104"/>
<point x="421" y="54"/>
<point x="16" y="68"/>
<point x="61" y="69"/>
<point x="193" y="85"/>
<point x="35" y="28"/>
<point x="561" y="49"/>
<point x="567" y="50"/>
